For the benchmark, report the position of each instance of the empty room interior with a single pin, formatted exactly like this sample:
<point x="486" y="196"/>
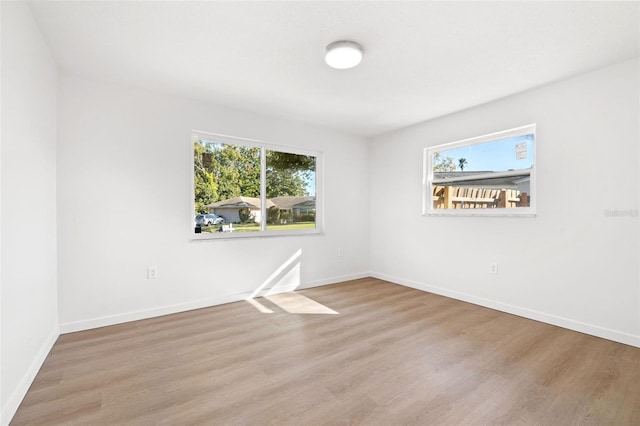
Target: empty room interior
<point x="315" y="212"/>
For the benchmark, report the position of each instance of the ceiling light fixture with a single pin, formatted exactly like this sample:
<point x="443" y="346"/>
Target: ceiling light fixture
<point x="343" y="54"/>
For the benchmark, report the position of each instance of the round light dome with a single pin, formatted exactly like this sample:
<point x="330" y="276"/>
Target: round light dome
<point x="343" y="54"/>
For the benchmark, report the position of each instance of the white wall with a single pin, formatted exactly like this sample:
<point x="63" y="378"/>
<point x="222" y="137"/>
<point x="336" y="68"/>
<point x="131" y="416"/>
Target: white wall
<point x="124" y="171"/>
<point x="29" y="313"/>
<point x="571" y="265"/>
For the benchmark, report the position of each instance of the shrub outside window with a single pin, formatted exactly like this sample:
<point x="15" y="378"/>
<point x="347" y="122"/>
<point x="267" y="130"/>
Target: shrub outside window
<point x="246" y="188"/>
<point x="482" y="176"/>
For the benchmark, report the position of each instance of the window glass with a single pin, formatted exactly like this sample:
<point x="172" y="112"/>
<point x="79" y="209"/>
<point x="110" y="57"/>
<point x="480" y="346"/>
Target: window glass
<point x="227" y="184"/>
<point x="493" y="174"/>
<point x="291" y="191"/>
<point x="251" y="188"/>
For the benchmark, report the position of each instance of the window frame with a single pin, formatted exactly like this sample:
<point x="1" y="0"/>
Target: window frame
<point x="263" y="146"/>
<point x="427" y="179"/>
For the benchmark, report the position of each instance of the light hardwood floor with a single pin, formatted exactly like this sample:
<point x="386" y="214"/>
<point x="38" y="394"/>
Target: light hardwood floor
<point x="360" y="352"/>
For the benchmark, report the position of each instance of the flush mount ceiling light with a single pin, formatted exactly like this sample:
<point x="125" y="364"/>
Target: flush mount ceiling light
<point x="343" y="54"/>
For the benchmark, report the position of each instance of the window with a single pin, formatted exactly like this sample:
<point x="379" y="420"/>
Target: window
<point x="245" y="188"/>
<point x="485" y="176"/>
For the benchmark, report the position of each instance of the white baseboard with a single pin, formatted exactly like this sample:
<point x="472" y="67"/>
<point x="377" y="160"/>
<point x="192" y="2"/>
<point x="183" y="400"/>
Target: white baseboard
<point x="71" y="327"/>
<point x="14" y="401"/>
<point x="594" y="330"/>
<point x="335" y="280"/>
<point x="104" y="321"/>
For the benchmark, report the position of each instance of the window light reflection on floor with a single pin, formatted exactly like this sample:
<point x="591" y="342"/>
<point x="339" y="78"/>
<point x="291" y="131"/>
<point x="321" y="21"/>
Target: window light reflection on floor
<point x="296" y="303"/>
<point x="292" y="303"/>
<point x="259" y="306"/>
<point x="276" y="293"/>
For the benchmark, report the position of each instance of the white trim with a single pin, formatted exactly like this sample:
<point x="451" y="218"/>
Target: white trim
<point x="208" y="236"/>
<point x="503" y="134"/>
<point x="14" y="401"/>
<point x="104" y="321"/>
<point x="334" y="280"/>
<point x="255" y="143"/>
<point x="591" y="329"/>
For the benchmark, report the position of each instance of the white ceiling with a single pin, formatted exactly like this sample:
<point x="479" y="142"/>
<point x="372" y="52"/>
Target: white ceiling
<point x="422" y="59"/>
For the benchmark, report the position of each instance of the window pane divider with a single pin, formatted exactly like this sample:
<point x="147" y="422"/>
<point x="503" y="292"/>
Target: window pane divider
<point x="263" y="189"/>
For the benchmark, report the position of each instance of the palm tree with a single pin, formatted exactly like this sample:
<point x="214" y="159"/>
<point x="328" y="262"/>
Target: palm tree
<point x="461" y="163"/>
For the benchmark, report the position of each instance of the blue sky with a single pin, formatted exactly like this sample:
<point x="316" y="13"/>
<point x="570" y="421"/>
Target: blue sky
<point x="311" y="184"/>
<point x="497" y="155"/>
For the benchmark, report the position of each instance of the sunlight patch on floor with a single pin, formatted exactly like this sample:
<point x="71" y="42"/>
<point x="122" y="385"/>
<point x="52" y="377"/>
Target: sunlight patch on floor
<point x="259" y="306"/>
<point x="296" y="303"/>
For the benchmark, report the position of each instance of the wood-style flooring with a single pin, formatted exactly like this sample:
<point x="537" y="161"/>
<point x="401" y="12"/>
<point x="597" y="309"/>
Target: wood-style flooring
<point x="360" y="352"/>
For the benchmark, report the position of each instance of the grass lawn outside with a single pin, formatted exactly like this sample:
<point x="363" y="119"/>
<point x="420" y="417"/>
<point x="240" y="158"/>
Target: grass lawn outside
<point x="253" y="227"/>
<point x="289" y="226"/>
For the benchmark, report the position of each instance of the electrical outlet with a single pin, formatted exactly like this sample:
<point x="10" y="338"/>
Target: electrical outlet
<point x="339" y="252"/>
<point x="152" y="272"/>
<point x="493" y="268"/>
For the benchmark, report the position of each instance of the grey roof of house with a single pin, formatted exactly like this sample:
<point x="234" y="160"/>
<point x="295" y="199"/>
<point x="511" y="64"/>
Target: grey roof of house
<point x="283" y="203"/>
<point x="240" y="202"/>
<point x="497" y="181"/>
<point x="286" y="203"/>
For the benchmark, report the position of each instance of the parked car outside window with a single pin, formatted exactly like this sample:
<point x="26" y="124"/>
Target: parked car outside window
<point x="200" y="220"/>
<point x="213" y="219"/>
<point x="208" y="219"/>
